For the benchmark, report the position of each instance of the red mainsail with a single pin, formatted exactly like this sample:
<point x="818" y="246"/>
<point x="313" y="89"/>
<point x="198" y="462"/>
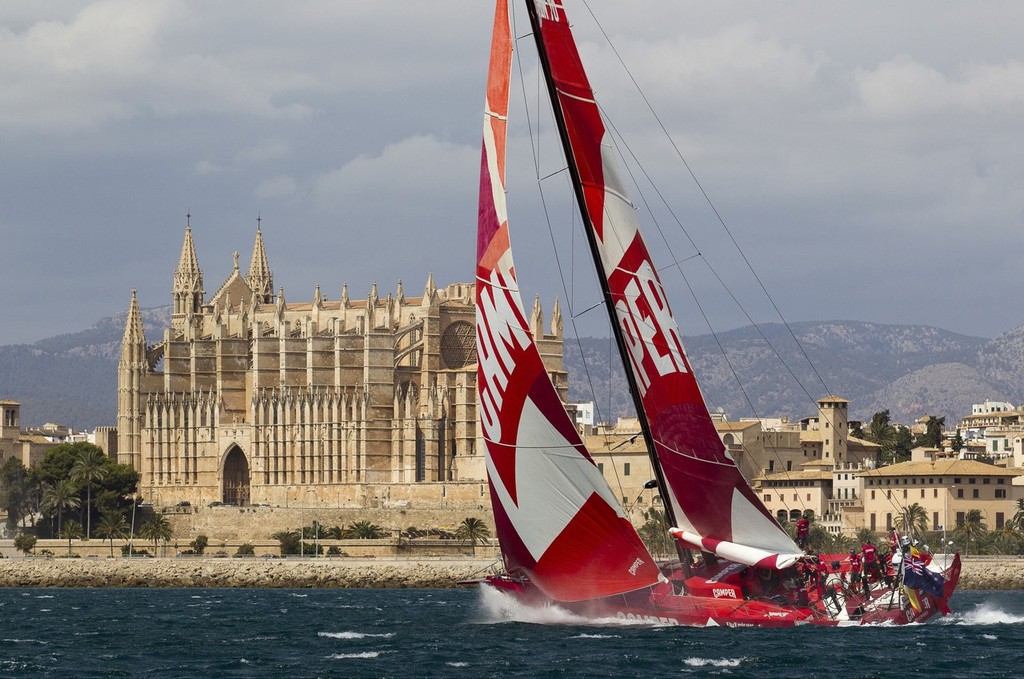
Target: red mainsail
<point x="713" y="504"/>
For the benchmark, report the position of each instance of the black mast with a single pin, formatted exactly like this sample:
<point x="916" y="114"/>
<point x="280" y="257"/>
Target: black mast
<point x="620" y="340"/>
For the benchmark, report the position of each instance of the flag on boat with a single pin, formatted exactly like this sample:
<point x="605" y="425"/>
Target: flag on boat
<point x="918" y="576"/>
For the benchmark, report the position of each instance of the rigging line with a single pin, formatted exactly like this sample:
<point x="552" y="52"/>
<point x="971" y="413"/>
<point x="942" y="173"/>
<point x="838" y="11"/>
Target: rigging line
<point x="707" y="197"/>
<point x="547" y="215"/>
<point x="677" y="263"/>
<point x="618" y="139"/>
<point x="588" y="309"/>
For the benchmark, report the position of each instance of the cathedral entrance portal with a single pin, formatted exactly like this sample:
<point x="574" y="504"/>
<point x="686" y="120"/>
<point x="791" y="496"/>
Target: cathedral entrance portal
<point x="236" y="478"/>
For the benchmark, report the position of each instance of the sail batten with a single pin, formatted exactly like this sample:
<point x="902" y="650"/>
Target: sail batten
<point x="556" y="519"/>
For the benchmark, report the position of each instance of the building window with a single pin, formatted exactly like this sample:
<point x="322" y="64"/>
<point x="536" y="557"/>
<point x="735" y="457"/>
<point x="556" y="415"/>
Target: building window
<point x="960" y="517"/>
<point x="922" y="493"/>
<point x="888" y="521"/>
<point x="767" y="498"/>
<point x="625" y="469"/>
<point x="956" y="479"/>
<point x="771" y="465"/>
<point x="975" y="494"/>
<point x="935" y="492"/>
<point x="999" y="520"/>
<point x="600" y="467"/>
<point x="935" y="520"/>
<point x="986" y="481"/>
<point x="1000" y="493"/>
<point x="904" y="493"/>
<point x="872" y="495"/>
<point x="874" y="527"/>
<point x="789" y="465"/>
<point x="960" y="493"/>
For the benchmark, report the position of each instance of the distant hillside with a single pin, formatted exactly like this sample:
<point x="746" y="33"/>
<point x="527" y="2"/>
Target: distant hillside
<point x="911" y="370"/>
<point x="72" y="379"/>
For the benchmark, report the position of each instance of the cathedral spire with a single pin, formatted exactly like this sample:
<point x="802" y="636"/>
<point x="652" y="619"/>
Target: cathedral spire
<point x="187" y="292"/>
<point x="134" y="334"/>
<point x="537" y="319"/>
<point x="259" y="278"/>
<point x="556" y="320"/>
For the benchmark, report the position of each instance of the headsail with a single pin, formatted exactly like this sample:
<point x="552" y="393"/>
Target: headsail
<point x="712" y="502"/>
<point x="556" y="519"/>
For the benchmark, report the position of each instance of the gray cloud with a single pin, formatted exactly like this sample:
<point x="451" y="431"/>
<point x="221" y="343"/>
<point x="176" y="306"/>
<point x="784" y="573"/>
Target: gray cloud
<point x="867" y="157"/>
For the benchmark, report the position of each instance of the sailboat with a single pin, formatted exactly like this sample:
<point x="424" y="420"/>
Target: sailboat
<point x="565" y="539"/>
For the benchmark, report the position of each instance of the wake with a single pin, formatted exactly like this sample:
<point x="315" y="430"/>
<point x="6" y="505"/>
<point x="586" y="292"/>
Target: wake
<point x="498" y="607"/>
<point x="985" y="613"/>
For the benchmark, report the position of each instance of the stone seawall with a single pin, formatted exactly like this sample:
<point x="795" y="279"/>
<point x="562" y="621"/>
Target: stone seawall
<point x="247" y="572"/>
<point x="393" y="573"/>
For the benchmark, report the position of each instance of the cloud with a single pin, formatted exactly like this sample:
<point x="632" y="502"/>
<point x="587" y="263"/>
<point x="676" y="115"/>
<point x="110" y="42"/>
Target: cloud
<point x="417" y="170"/>
<point x="281" y="186"/>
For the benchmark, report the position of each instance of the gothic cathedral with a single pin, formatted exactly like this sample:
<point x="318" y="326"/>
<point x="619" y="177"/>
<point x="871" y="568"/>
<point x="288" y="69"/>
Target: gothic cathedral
<point x="248" y="398"/>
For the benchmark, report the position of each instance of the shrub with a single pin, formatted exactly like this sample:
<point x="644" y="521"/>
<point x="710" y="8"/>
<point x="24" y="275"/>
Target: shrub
<point x="25" y="543"/>
<point x="245" y="550"/>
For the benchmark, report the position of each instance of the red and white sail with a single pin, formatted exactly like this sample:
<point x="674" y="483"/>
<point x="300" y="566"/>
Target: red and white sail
<point x="556" y="518"/>
<point x="714" y="506"/>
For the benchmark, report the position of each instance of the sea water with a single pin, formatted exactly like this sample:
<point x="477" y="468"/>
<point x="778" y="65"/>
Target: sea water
<point x="462" y="633"/>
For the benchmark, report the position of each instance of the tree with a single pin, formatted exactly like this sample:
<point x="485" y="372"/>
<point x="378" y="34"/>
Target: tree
<point x="71" y="530"/>
<point x="89" y="467"/>
<point x="364" y="530"/>
<point x="199" y="544"/>
<point x="958" y="443"/>
<point x="932" y="436"/>
<point x="856" y="430"/>
<point x="289" y="540"/>
<point x="972" y="529"/>
<point x="245" y="549"/>
<point x="16" y="486"/>
<point x="25" y="543"/>
<point x="112" y="525"/>
<point x="474" y="530"/>
<point x="114" y="491"/>
<point x="902" y="444"/>
<point x="1018" y="518"/>
<point x="915" y="519"/>
<point x="156" y="529"/>
<point x="60" y="496"/>
<point x="654" y="532"/>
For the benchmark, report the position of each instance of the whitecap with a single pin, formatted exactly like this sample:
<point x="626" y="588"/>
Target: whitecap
<point x="457" y="664"/>
<point x="987" y="613"/>
<point x="347" y="656"/>
<point x="713" y="662"/>
<point x="355" y="635"/>
<point x="25" y="641"/>
<point x="990" y="637"/>
<point x="44" y="596"/>
<point x="596" y="636"/>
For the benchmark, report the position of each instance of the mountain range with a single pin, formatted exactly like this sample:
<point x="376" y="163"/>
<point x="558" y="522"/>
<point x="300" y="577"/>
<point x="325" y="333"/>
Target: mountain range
<point x="765" y="371"/>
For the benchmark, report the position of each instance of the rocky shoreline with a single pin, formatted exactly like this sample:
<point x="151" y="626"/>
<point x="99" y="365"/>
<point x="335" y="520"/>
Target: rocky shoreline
<point x="978" y="573"/>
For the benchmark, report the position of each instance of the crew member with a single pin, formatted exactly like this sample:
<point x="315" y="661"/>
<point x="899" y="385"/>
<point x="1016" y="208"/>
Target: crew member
<point x="802" y="528"/>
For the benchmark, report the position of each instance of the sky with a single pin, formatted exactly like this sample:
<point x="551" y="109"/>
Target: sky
<point x="867" y="157"/>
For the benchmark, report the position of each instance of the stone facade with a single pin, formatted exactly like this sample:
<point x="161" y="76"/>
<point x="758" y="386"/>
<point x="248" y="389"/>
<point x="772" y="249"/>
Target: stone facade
<point x="250" y="399"/>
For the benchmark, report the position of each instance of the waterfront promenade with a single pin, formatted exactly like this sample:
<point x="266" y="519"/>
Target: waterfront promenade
<point x="978" y="572"/>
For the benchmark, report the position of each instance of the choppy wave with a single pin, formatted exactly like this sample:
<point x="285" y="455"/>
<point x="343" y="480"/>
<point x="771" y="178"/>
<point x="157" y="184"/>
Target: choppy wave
<point x="596" y="636"/>
<point x="985" y="613"/>
<point x="355" y="635"/>
<point x="349" y="656"/>
<point x="713" y="662"/>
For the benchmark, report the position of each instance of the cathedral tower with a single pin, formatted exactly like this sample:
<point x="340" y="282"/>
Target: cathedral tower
<point x="130" y="372"/>
<point x="259" y="278"/>
<point x="187" y="293"/>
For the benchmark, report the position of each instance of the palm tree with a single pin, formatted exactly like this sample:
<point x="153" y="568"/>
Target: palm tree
<point x="60" y="496"/>
<point x="474" y="530"/>
<point x="112" y="525"/>
<point x="654" y="532"/>
<point x="915" y="519"/>
<point x="71" y="530"/>
<point x="364" y="530"/>
<point x="973" y="528"/>
<point x="1018" y="519"/>
<point x="89" y="467"/>
<point x="156" y="529"/>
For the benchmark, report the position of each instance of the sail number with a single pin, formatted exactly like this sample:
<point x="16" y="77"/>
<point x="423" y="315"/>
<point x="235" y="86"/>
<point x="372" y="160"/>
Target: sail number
<point x="650" y="331"/>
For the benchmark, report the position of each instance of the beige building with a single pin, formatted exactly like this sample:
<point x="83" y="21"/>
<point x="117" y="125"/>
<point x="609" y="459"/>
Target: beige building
<point x="28" y="446"/>
<point x="946" y="489"/>
<point x="249" y="398"/>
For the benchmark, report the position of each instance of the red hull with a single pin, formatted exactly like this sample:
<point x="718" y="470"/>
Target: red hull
<point x="728" y="606"/>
